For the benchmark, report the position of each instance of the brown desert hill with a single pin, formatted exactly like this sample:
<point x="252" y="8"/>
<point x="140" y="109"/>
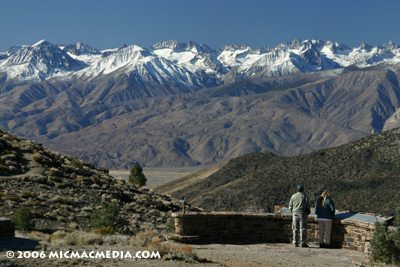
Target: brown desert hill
<point x="179" y="184"/>
<point x="109" y="126"/>
<point x="362" y="176"/>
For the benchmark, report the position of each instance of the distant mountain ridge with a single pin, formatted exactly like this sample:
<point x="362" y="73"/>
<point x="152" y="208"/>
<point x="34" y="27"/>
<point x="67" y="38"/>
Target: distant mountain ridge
<point x="183" y="104"/>
<point x="203" y="66"/>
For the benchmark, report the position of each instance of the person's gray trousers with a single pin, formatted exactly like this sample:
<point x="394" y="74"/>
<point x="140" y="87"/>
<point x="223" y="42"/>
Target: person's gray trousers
<point x="299" y="224"/>
<point x="327" y="225"/>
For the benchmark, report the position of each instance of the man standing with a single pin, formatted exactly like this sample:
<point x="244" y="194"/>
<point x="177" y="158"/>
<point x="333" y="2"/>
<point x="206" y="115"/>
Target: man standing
<point x="300" y="208"/>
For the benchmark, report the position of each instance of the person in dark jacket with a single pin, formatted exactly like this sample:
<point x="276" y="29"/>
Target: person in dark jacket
<point x="325" y="210"/>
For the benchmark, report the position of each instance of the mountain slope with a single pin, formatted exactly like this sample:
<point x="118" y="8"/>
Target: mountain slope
<point x="361" y="176"/>
<point x="288" y="116"/>
<point x="184" y="104"/>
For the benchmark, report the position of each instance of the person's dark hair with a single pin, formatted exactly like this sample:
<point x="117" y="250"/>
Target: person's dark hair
<point x="320" y="202"/>
<point x="300" y="190"/>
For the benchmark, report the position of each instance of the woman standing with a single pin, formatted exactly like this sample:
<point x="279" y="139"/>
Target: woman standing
<point x="325" y="210"/>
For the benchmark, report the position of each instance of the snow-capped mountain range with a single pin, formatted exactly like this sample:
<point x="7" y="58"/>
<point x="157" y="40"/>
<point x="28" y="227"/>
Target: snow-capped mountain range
<point x="186" y="64"/>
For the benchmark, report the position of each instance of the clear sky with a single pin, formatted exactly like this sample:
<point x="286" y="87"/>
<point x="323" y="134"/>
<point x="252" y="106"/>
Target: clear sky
<point x="110" y="24"/>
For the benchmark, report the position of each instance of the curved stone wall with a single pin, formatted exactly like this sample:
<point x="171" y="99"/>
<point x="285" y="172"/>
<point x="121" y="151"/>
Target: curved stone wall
<point x="350" y="230"/>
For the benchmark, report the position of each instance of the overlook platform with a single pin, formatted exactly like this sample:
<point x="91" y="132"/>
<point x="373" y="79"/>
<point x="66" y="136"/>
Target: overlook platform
<point x="350" y="230"/>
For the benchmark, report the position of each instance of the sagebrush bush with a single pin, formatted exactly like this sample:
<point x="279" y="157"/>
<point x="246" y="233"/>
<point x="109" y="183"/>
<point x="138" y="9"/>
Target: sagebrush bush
<point x="107" y="216"/>
<point x="23" y="219"/>
<point x="76" y="163"/>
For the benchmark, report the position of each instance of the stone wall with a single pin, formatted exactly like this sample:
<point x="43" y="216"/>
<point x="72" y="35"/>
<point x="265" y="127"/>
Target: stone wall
<point x="7" y="228"/>
<point x="235" y="227"/>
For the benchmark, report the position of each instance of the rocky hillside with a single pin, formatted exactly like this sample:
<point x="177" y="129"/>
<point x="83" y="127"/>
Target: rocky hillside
<point x="361" y="176"/>
<point x="63" y="192"/>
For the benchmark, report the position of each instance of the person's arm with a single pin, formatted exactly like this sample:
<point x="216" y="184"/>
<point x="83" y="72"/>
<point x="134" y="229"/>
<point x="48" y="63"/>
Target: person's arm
<point x="316" y="208"/>
<point x="332" y="205"/>
<point x="291" y="204"/>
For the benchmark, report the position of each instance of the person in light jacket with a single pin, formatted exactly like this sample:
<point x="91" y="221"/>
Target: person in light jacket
<point x="299" y="206"/>
<point x="325" y="210"/>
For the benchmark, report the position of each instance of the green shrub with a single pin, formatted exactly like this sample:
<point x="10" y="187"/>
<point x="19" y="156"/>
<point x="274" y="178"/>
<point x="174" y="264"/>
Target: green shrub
<point x="386" y="244"/>
<point x="76" y="163"/>
<point x="107" y="216"/>
<point x="23" y="219"/>
<point x="137" y="177"/>
<point x="170" y="225"/>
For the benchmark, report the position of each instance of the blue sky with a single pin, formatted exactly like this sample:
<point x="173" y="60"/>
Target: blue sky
<point x="110" y="24"/>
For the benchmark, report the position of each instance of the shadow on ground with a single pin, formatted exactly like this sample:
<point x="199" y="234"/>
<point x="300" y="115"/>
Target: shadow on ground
<point x="18" y="244"/>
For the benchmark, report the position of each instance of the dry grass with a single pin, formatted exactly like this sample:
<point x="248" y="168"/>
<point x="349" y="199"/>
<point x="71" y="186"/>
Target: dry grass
<point x="151" y="241"/>
<point x="80" y="238"/>
<point x="37" y="235"/>
<point x="143" y="238"/>
<point x="105" y="231"/>
<point x="173" y="251"/>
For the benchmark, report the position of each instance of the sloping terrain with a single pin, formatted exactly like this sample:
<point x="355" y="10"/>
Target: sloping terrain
<point x="186" y="104"/>
<point x="321" y="110"/>
<point x="63" y="196"/>
<point x="361" y="176"/>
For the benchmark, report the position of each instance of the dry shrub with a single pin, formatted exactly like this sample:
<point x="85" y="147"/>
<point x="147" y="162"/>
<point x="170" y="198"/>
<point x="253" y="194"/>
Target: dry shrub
<point x="37" y="159"/>
<point x="150" y="240"/>
<point x="116" y="239"/>
<point x="56" y="239"/>
<point x="37" y="235"/>
<point x="143" y="238"/>
<point x="105" y="231"/>
<point x="174" y="252"/>
<point x="80" y="238"/>
<point x="57" y="235"/>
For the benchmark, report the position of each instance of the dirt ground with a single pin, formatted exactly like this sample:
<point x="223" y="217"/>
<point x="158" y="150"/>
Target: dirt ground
<point x="212" y="255"/>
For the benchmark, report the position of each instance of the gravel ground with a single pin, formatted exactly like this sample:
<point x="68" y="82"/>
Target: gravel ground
<point x="212" y="255"/>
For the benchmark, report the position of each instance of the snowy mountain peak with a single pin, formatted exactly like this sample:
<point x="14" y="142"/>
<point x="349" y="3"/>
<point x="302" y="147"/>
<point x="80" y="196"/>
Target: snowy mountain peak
<point x="80" y="49"/>
<point x="41" y="42"/>
<point x="390" y="45"/>
<point x="38" y="62"/>
<point x="295" y="44"/>
<point x="365" y="46"/>
<point x="179" y="47"/>
<point x="166" y="44"/>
